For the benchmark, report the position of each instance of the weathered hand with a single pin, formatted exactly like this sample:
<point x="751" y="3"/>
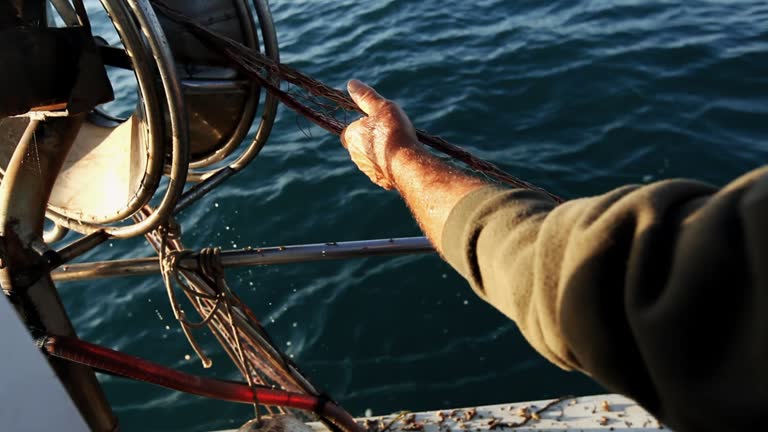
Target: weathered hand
<point x="373" y="141"/>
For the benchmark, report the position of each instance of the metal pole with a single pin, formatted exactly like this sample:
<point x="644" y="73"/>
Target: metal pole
<point x="252" y="257"/>
<point x="66" y="12"/>
<point x="24" y="193"/>
<point x="201" y="189"/>
<point x="321" y="252"/>
<point x="82" y="245"/>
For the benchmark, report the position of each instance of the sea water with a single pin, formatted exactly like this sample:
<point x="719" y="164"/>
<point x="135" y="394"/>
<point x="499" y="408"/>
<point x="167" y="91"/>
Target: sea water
<point x="578" y="97"/>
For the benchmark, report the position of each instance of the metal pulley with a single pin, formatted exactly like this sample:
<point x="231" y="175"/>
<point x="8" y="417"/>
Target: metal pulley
<point x="193" y="111"/>
<point x="221" y="103"/>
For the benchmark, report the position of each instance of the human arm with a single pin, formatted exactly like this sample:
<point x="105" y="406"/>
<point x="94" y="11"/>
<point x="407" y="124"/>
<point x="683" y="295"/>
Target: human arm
<point x="659" y="292"/>
<point x="384" y="146"/>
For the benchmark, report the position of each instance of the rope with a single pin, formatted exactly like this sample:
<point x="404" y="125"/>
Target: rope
<point x="256" y="65"/>
<point x="210" y="267"/>
<point x="169" y="269"/>
<point x="209" y="261"/>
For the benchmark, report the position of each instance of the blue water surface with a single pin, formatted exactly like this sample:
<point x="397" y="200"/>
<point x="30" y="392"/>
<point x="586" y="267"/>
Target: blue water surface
<point x="576" y="96"/>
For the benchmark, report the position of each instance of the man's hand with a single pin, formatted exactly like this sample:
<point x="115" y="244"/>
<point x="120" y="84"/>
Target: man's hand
<point x="384" y="146"/>
<point x="375" y="140"/>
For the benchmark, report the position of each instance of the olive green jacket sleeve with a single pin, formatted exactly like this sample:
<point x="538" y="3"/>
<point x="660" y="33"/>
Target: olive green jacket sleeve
<point x="659" y="292"/>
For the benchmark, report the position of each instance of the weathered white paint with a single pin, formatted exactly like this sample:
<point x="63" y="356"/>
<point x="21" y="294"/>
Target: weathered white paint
<point x="583" y="413"/>
<point x="103" y="173"/>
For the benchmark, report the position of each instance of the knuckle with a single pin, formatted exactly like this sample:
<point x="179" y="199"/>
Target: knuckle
<point x="388" y="106"/>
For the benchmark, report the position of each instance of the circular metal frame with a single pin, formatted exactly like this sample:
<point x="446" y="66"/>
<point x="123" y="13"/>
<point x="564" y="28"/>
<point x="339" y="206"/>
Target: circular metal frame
<point x="251" y="39"/>
<point x="154" y="45"/>
<point x="147" y="64"/>
<point x="269" y="39"/>
<point x="149" y="114"/>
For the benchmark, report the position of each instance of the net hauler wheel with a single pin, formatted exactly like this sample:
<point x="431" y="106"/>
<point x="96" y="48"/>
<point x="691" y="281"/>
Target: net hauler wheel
<point x="221" y="103"/>
<point x="100" y="173"/>
<point x="193" y="111"/>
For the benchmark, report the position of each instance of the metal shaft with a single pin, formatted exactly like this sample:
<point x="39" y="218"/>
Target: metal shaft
<point x="252" y="257"/>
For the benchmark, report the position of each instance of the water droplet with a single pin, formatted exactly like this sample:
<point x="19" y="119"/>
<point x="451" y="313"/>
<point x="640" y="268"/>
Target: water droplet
<point x="288" y="343"/>
<point x="158" y="314"/>
<point x="187" y="357"/>
<point x="215" y="204"/>
<point x="368" y="412"/>
<point x="167" y="327"/>
<point x="466" y="302"/>
<point x="294" y="325"/>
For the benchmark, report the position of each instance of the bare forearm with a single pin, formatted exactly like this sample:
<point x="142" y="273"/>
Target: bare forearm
<point x="431" y="188"/>
<point x="385" y="148"/>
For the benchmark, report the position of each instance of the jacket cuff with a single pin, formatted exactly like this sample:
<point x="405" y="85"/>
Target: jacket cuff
<point x="455" y="236"/>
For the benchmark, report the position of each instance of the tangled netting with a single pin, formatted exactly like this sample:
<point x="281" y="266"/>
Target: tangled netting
<point x="316" y="101"/>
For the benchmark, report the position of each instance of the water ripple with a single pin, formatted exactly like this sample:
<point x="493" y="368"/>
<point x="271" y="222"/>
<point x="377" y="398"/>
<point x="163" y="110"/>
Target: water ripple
<point x="579" y="97"/>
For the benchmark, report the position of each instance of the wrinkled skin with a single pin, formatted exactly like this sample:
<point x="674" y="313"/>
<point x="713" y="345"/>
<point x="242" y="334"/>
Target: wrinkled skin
<point x="384" y="146"/>
<point x="375" y="140"/>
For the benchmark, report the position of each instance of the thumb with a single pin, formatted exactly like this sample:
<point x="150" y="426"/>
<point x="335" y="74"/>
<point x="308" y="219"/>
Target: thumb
<point x="365" y="97"/>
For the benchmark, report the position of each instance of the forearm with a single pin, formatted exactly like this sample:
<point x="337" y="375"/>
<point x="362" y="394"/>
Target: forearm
<point x="384" y="147"/>
<point x="430" y="188"/>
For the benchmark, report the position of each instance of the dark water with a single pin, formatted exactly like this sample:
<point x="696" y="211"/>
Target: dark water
<point x="576" y="96"/>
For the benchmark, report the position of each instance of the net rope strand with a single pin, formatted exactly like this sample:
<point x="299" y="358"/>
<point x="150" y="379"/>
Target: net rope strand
<point x="210" y="306"/>
<point x="266" y="73"/>
<point x="168" y="270"/>
<point x="216" y="310"/>
<point x="257" y="357"/>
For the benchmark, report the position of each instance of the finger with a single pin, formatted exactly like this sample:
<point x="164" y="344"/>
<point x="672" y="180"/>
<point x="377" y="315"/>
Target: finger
<point x="342" y="137"/>
<point x="350" y="133"/>
<point x="365" y="97"/>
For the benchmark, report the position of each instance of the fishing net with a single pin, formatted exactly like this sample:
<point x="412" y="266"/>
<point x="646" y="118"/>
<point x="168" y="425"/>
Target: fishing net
<point x="203" y="286"/>
<point x="230" y="321"/>
<point x="321" y="104"/>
